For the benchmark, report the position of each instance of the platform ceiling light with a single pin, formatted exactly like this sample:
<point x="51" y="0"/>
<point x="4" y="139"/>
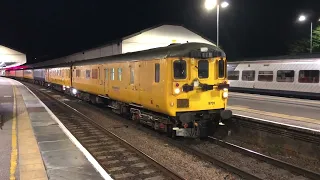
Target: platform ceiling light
<point x="224" y="4"/>
<point x="210" y="4"/>
<point x="302" y="18"/>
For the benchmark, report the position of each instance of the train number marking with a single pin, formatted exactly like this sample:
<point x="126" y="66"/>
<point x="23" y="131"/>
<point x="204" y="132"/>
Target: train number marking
<point x="211" y="103"/>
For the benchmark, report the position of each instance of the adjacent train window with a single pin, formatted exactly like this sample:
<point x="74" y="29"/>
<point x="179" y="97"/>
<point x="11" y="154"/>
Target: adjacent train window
<point x="233" y="75"/>
<point x="180" y="69"/>
<point x="248" y="75"/>
<point x="94" y="73"/>
<point x="157" y="73"/>
<point x="265" y="76"/>
<point x="112" y="74"/>
<point x="309" y="76"/>
<point x="88" y="74"/>
<point x="203" y="69"/>
<point x="78" y="73"/>
<point x="285" y="76"/>
<point x="119" y="74"/>
<point x="106" y="74"/>
<point x="131" y="75"/>
<point x="221" y="68"/>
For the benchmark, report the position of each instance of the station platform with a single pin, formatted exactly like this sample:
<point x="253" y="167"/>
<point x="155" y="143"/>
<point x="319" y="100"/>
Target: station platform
<point x="33" y="143"/>
<point x="297" y="113"/>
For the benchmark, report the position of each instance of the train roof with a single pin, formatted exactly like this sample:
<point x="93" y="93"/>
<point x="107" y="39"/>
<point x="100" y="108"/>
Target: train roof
<point x="174" y="50"/>
<point x="281" y="59"/>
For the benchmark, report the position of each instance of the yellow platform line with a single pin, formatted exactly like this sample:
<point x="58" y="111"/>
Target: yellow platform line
<point x="278" y="115"/>
<point x="31" y="166"/>
<point x="14" y="151"/>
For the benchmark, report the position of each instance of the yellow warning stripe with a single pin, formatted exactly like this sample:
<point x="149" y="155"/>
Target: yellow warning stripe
<point x="14" y="151"/>
<point x="283" y="116"/>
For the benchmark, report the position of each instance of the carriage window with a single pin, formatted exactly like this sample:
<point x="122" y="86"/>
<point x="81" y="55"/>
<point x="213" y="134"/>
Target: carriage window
<point x="157" y="73"/>
<point x="88" y="74"/>
<point x="221" y="68"/>
<point x="106" y="74"/>
<point x="131" y="75"/>
<point x="78" y="73"/>
<point x="180" y="69"/>
<point x="285" y="76"/>
<point x="203" y="69"/>
<point x="119" y="74"/>
<point x="248" y="75"/>
<point x="112" y="74"/>
<point x="94" y="73"/>
<point x="309" y="76"/>
<point x="233" y="75"/>
<point x="265" y="76"/>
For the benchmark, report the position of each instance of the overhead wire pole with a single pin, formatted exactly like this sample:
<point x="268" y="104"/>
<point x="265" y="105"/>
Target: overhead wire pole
<point x="311" y="39"/>
<point x="218" y="13"/>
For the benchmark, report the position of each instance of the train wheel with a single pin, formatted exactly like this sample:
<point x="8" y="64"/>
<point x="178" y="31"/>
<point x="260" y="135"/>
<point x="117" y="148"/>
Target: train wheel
<point x="170" y="132"/>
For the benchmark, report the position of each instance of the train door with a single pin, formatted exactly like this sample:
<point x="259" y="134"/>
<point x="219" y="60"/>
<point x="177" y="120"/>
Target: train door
<point x="101" y="79"/>
<point x="134" y="83"/>
<point x="106" y="79"/>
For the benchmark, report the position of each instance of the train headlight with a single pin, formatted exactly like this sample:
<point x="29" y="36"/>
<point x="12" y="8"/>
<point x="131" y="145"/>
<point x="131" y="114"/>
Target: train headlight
<point x="177" y="90"/>
<point x="225" y="94"/>
<point x="196" y="83"/>
<point x="74" y="91"/>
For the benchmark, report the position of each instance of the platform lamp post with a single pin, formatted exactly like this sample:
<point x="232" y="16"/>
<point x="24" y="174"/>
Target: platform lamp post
<point x="303" y="18"/>
<point x="211" y="4"/>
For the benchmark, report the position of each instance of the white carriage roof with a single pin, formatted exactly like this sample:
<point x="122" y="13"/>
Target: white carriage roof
<point x="281" y="59"/>
<point x="154" y="37"/>
<point x="11" y="58"/>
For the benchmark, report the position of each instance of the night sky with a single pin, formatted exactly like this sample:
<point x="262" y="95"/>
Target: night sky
<point x="248" y="28"/>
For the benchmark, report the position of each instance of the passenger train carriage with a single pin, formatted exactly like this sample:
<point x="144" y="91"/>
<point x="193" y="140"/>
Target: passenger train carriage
<point x="292" y="77"/>
<point x="180" y="89"/>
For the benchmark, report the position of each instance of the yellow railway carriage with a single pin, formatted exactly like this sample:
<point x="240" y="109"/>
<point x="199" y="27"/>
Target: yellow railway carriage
<point x="180" y="89"/>
<point x="28" y="74"/>
<point x="19" y="74"/>
<point x="59" y="77"/>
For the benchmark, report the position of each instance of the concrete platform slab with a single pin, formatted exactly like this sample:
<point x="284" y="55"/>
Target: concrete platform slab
<point x="45" y="151"/>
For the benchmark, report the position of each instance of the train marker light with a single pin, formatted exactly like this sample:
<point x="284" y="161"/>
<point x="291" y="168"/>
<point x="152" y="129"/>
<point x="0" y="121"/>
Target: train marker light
<point x="177" y="91"/>
<point x="74" y="91"/>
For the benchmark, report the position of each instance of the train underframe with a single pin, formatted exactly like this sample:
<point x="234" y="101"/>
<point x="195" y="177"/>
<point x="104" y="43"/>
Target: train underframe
<point x="196" y="124"/>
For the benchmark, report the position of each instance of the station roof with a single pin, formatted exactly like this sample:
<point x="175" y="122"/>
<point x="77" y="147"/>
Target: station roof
<point x="11" y="58"/>
<point x="157" y="36"/>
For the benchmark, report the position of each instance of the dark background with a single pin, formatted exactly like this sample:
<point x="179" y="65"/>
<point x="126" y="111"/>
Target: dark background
<point x="248" y="28"/>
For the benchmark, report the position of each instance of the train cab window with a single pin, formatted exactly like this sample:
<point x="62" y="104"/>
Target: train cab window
<point x="119" y="74"/>
<point x="131" y="75"/>
<point x="106" y="74"/>
<point x="94" y="73"/>
<point x="78" y="73"/>
<point x="221" y="68"/>
<point x="180" y="69"/>
<point x="112" y="74"/>
<point x="309" y="76"/>
<point x="265" y="76"/>
<point x="285" y="76"/>
<point x="157" y="73"/>
<point x="88" y="74"/>
<point x="248" y="75"/>
<point x="233" y="75"/>
<point x="203" y="69"/>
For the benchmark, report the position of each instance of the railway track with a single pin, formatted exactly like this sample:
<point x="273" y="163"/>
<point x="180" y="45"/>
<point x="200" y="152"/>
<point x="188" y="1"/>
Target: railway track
<point x="306" y="173"/>
<point x="118" y="157"/>
<point x="243" y="172"/>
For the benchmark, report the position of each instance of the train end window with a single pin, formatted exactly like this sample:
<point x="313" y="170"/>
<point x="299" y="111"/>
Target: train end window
<point x="233" y="75"/>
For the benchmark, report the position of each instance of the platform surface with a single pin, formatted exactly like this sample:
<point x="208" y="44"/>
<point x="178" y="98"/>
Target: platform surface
<point x="299" y="113"/>
<point x="37" y="148"/>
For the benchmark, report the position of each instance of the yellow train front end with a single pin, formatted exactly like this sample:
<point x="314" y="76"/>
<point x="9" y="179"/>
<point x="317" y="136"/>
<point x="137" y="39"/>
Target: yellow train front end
<point x="198" y="92"/>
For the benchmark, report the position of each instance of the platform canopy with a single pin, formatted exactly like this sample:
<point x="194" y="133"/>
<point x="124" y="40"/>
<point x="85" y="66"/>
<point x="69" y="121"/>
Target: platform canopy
<point x="11" y="58"/>
<point x="153" y="37"/>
